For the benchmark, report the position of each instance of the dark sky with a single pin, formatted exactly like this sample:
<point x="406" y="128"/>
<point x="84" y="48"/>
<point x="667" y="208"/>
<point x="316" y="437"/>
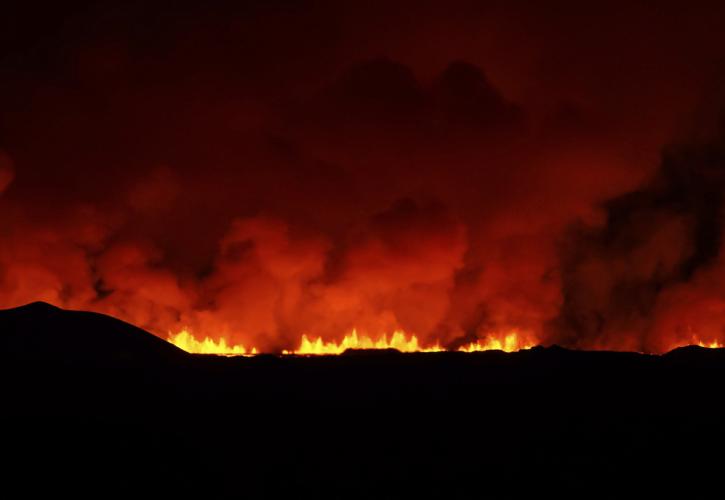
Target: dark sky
<point x="259" y="170"/>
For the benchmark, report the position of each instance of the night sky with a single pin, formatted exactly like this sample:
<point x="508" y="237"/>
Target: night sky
<point x="260" y="170"/>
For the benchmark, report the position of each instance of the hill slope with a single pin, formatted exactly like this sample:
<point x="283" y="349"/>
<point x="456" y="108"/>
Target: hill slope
<point x="40" y="331"/>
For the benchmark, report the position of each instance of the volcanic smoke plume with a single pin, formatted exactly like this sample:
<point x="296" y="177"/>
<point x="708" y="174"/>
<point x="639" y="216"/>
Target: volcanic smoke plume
<point x="650" y="277"/>
<point x="260" y="171"/>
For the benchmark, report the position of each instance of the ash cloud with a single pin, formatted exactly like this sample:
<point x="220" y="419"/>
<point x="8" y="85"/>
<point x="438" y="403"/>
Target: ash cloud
<point x="620" y="281"/>
<point x="262" y="170"/>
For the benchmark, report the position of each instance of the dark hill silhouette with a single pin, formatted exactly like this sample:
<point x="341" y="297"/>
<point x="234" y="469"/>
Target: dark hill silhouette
<point x="40" y="331"/>
<point x="94" y="407"/>
<point x="696" y="353"/>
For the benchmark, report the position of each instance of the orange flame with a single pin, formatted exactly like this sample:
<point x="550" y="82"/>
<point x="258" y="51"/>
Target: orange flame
<point x="711" y="345"/>
<point x="399" y="340"/>
<point x="695" y="339"/>
<point x="510" y="342"/>
<point x="186" y="341"/>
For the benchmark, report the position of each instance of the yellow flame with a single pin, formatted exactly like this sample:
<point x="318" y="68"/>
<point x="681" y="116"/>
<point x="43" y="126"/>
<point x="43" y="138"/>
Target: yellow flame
<point x="509" y="343"/>
<point x="353" y="340"/>
<point x="186" y="341"/>
<point x="399" y="340"/>
<point x="696" y="339"/>
<point x="711" y="345"/>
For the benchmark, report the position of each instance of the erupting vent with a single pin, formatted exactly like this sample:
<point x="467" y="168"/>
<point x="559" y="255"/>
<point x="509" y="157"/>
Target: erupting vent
<point x="509" y="342"/>
<point x="399" y="340"/>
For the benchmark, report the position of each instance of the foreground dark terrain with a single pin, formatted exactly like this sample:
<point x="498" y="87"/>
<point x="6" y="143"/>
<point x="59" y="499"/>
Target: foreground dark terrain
<point x="95" y="407"/>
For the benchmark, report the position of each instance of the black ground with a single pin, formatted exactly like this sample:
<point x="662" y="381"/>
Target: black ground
<point x="95" y="407"/>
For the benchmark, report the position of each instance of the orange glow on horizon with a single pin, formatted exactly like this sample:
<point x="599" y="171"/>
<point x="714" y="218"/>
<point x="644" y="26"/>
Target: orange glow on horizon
<point x="511" y="341"/>
<point x="399" y="340"/>
<point x="186" y="341"/>
<point x="714" y="344"/>
<point x="698" y="341"/>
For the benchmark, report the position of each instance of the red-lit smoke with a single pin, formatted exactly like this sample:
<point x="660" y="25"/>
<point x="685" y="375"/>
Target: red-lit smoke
<point x="262" y="171"/>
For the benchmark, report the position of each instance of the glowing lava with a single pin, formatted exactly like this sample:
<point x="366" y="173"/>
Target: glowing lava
<point x="711" y="345"/>
<point x="510" y="342"/>
<point x="186" y="341"/>
<point x="698" y="341"/>
<point x="399" y="340"/>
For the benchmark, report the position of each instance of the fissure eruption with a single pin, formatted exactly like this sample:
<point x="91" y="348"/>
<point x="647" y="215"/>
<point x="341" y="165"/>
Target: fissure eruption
<point x="336" y="188"/>
<point x="399" y="341"/>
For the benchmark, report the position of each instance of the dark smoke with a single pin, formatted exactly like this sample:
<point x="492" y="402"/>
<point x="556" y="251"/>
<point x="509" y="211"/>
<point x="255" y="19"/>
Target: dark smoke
<point x="259" y="170"/>
<point x="655" y="238"/>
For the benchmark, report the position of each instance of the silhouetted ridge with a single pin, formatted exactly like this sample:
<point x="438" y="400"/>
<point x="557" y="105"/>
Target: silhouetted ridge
<point x="696" y="353"/>
<point x="40" y="331"/>
<point x="38" y="307"/>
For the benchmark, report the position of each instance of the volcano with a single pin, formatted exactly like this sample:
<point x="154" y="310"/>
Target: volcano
<point x="97" y="406"/>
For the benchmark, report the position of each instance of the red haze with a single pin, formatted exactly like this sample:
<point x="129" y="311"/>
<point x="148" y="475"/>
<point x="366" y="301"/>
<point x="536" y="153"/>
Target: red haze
<point x="261" y="170"/>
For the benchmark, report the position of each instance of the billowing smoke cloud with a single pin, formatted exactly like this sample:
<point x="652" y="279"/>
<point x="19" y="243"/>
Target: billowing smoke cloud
<point x="259" y="172"/>
<point x="644" y="280"/>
